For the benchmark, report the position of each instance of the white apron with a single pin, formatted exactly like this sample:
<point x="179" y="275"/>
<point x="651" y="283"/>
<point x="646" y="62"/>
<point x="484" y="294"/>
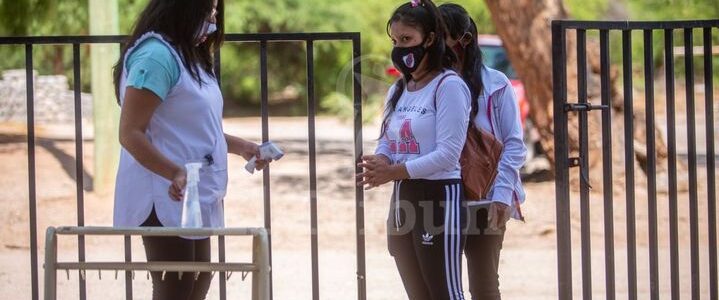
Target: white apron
<point x="186" y="127"/>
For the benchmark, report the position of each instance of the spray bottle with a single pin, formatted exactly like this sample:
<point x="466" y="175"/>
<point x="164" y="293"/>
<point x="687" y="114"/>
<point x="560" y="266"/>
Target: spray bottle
<point x="191" y="213"/>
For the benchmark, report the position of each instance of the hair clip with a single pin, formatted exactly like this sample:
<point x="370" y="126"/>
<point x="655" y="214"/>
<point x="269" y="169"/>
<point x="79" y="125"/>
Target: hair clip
<point x="415" y="3"/>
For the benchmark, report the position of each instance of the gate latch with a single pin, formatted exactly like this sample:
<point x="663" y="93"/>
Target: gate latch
<point x="574" y="162"/>
<point x="580" y="107"/>
<point x="577" y="162"/>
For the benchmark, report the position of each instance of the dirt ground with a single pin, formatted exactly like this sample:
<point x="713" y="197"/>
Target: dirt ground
<point x="528" y="262"/>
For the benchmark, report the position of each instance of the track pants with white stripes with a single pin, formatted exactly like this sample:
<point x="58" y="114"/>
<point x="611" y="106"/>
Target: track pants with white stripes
<point x="424" y="235"/>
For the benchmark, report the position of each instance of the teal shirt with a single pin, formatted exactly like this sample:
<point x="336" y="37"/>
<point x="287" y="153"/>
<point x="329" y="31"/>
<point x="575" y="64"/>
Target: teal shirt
<point x="152" y="66"/>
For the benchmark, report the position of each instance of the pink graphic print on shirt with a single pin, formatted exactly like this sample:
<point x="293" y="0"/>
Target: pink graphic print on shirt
<point x="407" y="143"/>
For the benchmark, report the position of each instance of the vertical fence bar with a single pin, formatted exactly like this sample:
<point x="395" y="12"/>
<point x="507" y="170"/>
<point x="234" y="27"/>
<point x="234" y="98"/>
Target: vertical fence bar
<point x="79" y="173"/>
<point x="50" y="264"/>
<point x="561" y="155"/>
<point x="221" y="253"/>
<point x="221" y="258"/>
<point x="218" y="67"/>
<point x="711" y="176"/>
<point x="672" y="163"/>
<point x="359" y="192"/>
<point x="29" y="87"/>
<point x="691" y="143"/>
<point x="607" y="165"/>
<point x="266" y="137"/>
<point x="311" y="111"/>
<point x="629" y="163"/>
<point x="584" y="166"/>
<point x="128" y="274"/>
<point x="651" y="164"/>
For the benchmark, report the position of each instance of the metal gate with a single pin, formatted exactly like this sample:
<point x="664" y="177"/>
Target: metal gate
<point x="263" y="40"/>
<point x="563" y="108"/>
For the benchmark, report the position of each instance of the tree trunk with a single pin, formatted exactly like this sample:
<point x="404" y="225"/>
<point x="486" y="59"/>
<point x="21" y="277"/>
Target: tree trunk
<point x="525" y="28"/>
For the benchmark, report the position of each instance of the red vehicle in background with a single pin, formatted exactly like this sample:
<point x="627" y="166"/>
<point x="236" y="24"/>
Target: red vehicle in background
<point x="495" y="56"/>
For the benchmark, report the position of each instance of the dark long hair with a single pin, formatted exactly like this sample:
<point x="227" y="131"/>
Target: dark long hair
<point x="179" y="22"/>
<point x="458" y="23"/>
<point x="427" y="19"/>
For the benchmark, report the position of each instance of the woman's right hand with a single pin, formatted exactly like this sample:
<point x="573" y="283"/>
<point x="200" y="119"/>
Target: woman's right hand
<point x="177" y="186"/>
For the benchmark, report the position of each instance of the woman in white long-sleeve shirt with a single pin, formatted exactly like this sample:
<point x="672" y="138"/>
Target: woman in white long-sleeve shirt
<point x="494" y="109"/>
<point x="423" y="133"/>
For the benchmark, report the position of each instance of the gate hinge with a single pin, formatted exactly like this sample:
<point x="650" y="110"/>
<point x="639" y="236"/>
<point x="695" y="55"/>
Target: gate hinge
<point x="577" y="107"/>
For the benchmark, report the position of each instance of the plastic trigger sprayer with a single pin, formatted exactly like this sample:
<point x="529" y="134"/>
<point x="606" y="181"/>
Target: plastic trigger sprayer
<point x="191" y="214"/>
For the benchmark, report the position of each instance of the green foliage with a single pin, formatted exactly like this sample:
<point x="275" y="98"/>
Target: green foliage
<point x="24" y="17"/>
<point x="673" y="9"/>
<point x="240" y="62"/>
<point x="644" y="10"/>
<point x="676" y="10"/>
<point x="649" y="10"/>
<point x="43" y="17"/>
<point x="287" y="61"/>
<point x="287" y="73"/>
<point x="586" y="9"/>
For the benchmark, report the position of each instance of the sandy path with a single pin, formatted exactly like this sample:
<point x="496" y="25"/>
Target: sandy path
<point x="528" y="265"/>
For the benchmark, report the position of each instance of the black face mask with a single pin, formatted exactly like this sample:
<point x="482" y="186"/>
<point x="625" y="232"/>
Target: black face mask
<point x="407" y="59"/>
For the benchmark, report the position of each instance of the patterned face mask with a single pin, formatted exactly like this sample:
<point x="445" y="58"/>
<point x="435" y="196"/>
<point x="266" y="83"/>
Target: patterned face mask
<point x="407" y="59"/>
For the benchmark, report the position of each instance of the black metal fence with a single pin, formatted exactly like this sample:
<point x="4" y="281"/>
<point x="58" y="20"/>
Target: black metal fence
<point x="263" y="40"/>
<point x="562" y="110"/>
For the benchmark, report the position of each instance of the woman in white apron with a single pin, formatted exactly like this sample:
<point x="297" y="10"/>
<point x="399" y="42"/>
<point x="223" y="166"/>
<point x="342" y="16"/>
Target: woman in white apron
<point x="171" y="114"/>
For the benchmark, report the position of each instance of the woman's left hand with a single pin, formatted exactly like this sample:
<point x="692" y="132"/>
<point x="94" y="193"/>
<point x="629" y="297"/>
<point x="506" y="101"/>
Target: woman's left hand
<point x="247" y="150"/>
<point x="253" y="150"/>
<point x="378" y="171"/>
<point x="260" y="164"/>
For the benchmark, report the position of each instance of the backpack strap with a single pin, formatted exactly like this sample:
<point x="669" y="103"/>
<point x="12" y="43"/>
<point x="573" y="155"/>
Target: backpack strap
<point x="489" y="114"/>
<point x="436" y="91"/>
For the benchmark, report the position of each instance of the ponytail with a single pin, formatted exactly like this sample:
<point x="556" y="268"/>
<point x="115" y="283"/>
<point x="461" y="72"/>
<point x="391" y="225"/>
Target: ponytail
<point x="458" y="23"/>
